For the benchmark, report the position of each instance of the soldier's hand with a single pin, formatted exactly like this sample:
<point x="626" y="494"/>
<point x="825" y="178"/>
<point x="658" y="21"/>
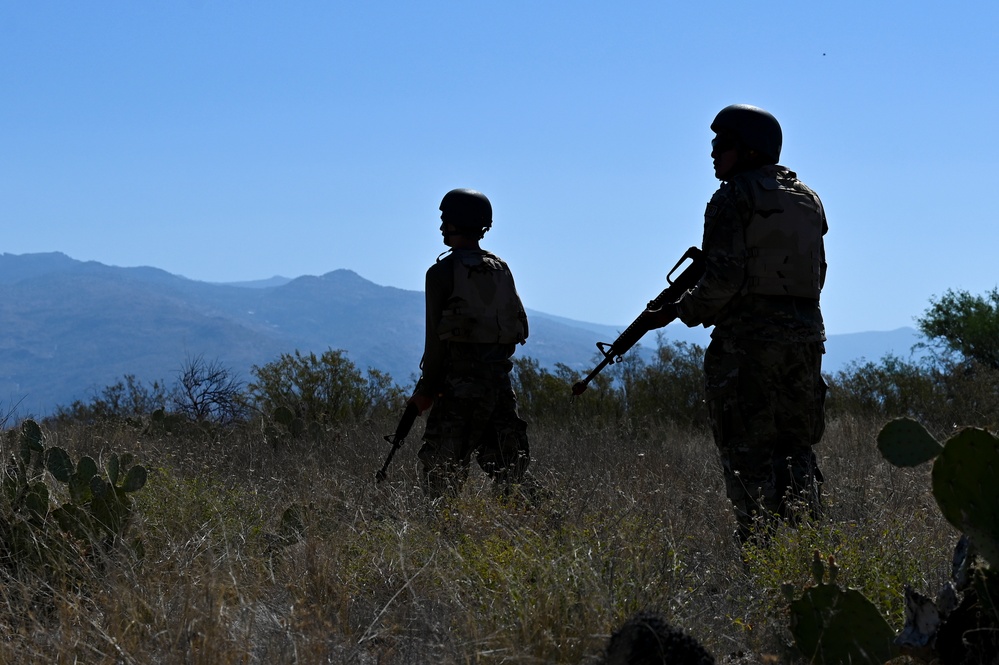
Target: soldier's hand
<point x="422" y="402"/>
<point x="664" y="315"/>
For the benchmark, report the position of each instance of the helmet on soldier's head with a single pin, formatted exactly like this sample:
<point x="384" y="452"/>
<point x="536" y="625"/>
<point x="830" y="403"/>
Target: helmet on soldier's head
<point x="467" y="210"/>
<point x="753" y="127"/>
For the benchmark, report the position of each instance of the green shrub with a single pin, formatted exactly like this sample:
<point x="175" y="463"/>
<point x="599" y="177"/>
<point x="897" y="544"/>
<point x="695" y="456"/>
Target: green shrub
<point x="670" y="388"/>
<point x="126" y="400"/>
<point x="939" y="393"/>
<point x="326" y="389"/>
<point x="874" y="558"/>
<point x="888" y="388"/>
<point x="964" y="325"/>
<point x="544" y="395"/>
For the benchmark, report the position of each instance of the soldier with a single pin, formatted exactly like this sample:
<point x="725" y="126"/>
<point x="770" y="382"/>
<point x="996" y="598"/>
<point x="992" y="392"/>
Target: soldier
<point x="475" y="320"/>
<point x="765" y="267"/>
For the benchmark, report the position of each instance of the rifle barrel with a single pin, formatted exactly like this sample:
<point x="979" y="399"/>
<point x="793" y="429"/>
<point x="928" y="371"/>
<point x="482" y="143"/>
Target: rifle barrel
<point x="641" y="325"/>
<point x="401" y="432"/>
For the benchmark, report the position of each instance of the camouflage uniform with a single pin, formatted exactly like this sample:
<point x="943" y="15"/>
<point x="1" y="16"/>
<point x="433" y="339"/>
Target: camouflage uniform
<point x="474" y="321"/>
<point x="764" y="269"/>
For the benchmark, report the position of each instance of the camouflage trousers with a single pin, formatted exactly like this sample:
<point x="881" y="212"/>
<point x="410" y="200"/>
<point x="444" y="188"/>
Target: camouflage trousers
<point x="476" y="415"/>
<point x="766" y="401"/>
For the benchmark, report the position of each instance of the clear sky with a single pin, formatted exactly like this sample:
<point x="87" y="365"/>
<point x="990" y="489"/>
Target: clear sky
<point x="229" y="141"/>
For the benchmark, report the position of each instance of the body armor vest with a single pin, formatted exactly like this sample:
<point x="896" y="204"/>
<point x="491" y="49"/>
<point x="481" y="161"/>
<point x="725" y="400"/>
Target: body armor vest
<point x="484" y="306"/>
<point x="784" y="238"/>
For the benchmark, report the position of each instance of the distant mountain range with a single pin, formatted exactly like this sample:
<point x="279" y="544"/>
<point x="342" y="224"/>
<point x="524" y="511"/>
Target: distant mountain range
<point x="69" y="328"/>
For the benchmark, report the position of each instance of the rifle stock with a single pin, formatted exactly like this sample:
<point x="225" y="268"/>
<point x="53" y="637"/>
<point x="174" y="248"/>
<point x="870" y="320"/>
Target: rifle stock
<point x="644" y="322"/>
<point x="401" y="432"/>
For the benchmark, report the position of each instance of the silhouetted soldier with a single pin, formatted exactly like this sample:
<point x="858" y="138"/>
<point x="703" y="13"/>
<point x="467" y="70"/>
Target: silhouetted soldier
<point x="765" y="266"/>
<point x="475" y="320"/>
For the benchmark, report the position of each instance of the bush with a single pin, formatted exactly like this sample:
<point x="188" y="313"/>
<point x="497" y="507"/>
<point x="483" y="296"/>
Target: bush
<point x="941" y="393"/>
<point x="327" y="389"/>
<point x="207" y="392"/>
<point x="127" y="399"/>
<point x="888" y="388"/>
<point x="670" y="388"/>
<point x="965" y="325"/>
<point x="543" y="395"/>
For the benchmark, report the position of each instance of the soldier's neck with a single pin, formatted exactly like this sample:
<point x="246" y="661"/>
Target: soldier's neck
<point x="463" y="242"/>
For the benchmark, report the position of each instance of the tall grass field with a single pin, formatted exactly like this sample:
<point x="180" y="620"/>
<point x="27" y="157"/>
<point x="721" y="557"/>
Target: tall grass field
<point x="245" y="548"/>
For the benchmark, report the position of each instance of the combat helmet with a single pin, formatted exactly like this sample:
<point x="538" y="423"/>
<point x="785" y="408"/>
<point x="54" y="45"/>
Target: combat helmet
<point x="753" y="127"/>
<point x="468" y="210"/>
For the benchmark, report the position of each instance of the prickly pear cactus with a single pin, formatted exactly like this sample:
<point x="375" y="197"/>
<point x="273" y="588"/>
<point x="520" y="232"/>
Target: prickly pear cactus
<point x="99" y="505"/>
<point x="43" y="537"/>
<point x="77" y="477"/>
<point x="964" y="485"/>
<point x="966" y="488"/>
<point x="965" y="469"/>
<point x="905" y="442"/>
<point x="831" y="624"/>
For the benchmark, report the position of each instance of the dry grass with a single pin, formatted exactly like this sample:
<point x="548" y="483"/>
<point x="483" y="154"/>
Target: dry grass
<point x="623" y="520"/>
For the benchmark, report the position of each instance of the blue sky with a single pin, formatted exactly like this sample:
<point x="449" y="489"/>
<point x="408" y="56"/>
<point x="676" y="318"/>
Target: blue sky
<point x="229" y="141"/>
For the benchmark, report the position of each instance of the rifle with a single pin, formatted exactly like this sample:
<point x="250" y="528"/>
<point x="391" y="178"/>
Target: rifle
<point x="401" y="431"/>
<point x="644" y="323"/>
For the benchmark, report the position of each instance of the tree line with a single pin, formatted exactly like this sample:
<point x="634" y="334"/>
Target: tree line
<point x="957" y="383"/>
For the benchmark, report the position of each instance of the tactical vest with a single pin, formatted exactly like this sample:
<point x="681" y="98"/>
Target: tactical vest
<point x="784" y="238"/>
<point x="484" y="306"/>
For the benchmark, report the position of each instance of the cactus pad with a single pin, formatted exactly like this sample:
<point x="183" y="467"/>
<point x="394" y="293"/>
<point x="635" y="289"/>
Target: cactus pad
<point x="283" y="415"/>
<point x="59" y="464"/>
<point x="31" y="441"/>
<point x="113" y="468"/>
<point x="835" y="625"/>
<point x="135" y="479"/>
<point x="905" y="442"/>
<point x="965" y="487"/>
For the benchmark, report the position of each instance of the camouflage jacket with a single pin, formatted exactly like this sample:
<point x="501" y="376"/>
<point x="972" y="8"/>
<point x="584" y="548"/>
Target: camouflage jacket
<point x="723" y="297"/>
<point x="442" y="347"/>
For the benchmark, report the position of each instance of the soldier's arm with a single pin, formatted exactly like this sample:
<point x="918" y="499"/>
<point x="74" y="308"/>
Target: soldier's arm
<point x="523" y="312"/>
<point x="724" y="247"/>
<point x="434" y="363"/>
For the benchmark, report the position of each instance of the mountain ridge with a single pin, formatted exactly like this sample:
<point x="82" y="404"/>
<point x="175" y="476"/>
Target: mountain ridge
<point x="73" y="327"/>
